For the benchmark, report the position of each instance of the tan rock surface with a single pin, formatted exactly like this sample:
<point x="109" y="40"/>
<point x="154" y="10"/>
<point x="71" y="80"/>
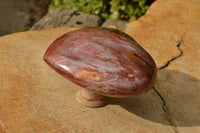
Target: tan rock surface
<point x="34" y="98"/>
<point x="179" y="84"/>
<point x="160" y="29"/>
<point x="170" y="31"/>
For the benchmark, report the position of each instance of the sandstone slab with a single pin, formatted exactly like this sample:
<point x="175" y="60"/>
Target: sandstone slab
<point x="170" y="30"/>
<point x="179" y="84"/>
<point x="34" y="98"/>
<point x="160" y="29"/>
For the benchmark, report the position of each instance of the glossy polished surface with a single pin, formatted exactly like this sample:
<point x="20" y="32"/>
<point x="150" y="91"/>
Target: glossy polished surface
<point x="105" y="61"/>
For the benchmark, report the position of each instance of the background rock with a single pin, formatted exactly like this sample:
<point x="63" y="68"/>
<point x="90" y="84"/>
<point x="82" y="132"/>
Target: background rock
<point x="67" y="18"/>
<point x="21" y="14"/>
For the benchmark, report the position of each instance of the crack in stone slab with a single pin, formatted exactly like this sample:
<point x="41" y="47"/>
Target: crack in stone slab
<point x="165" y="109"/>
<point x="164" y="105"/>
<point x="178" y="56"/>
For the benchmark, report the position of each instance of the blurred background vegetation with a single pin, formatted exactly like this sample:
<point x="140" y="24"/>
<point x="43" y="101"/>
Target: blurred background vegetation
<point x="127" y="10"/>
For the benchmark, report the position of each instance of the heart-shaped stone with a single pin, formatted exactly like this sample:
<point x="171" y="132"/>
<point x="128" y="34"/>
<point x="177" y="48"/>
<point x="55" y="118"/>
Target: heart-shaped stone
<point x="103" y="60"/>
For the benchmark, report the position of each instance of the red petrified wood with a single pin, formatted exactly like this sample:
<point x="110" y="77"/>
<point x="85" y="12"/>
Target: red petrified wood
<point x="104" y="62"/>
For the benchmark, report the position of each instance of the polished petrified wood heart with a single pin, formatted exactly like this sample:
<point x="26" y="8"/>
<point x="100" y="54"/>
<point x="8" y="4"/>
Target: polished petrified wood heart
<point x="104" y="61"/>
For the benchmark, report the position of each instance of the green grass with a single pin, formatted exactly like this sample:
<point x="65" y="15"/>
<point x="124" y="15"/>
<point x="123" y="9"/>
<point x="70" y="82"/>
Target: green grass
<point x="127" y="10"/>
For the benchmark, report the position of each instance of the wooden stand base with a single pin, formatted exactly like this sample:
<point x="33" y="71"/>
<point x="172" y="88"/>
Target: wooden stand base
<point x="90" y="99"/>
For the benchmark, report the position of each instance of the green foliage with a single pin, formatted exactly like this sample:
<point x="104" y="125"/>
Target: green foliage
<point x="128" y="10"/>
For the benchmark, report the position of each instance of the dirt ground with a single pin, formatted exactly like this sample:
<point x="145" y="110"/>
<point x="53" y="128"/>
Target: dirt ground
<point x="20" y="15"/>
